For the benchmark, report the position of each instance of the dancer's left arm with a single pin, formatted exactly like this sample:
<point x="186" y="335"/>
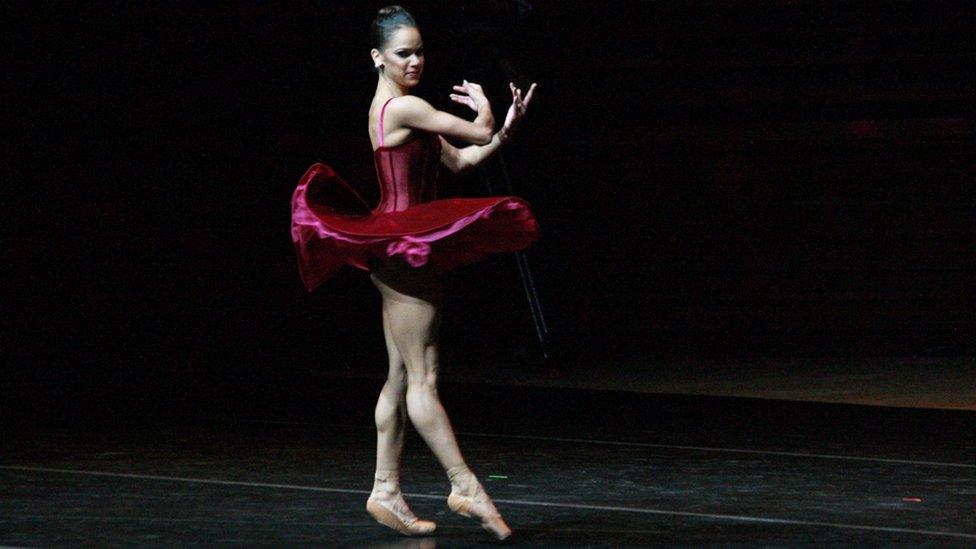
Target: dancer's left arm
<point x="458" y="160"/>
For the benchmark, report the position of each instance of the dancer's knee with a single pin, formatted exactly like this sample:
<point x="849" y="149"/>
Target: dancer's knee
<point x="422" y="372"/>
<point x="396" y="379"/>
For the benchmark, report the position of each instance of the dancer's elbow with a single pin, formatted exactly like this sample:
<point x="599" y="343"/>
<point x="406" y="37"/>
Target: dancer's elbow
<point x="485" y="136"/>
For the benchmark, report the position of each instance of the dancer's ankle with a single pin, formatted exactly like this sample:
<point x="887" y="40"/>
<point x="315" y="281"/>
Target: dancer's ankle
<point x="386" y="483"/>
<point x="462" y="480"/>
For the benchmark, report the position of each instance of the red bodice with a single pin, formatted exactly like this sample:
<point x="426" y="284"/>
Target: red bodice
<point x="407" y="173"/>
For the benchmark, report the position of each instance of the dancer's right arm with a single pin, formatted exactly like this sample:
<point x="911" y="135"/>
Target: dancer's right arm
<point x="414" y="112"/>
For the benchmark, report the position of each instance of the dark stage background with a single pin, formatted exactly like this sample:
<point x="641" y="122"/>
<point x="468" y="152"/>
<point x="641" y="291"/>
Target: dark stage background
<point x="713" y="179"/>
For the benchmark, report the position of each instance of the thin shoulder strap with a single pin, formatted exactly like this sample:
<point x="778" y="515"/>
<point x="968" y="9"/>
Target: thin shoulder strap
<point x="382" y="112"/>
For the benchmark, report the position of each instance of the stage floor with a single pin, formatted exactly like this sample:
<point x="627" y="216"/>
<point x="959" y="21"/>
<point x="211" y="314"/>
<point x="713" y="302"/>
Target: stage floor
<point x="289" y="461"/>
<point x="913" y="382"/>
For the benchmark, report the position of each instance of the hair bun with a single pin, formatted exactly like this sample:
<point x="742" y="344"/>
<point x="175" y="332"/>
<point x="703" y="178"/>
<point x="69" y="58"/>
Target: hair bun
<point x="387" y="21"/>
<point x="389" y="10"/>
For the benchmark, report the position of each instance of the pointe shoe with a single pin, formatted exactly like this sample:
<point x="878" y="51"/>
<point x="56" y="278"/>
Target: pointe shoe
<point x="480" y="506"/>
<point x="395" y="514"/>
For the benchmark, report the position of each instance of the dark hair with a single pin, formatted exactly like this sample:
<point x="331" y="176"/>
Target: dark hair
<point x="387" y="21"/>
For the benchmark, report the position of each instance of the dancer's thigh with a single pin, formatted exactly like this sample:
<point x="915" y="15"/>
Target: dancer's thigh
<point x="412" y="318"/>
<point x="397" y="373"/>
<point x="397" y="280"/>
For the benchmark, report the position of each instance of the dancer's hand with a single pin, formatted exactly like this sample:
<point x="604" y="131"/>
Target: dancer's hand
<point x="474" y="96"/>
<point x="518" y="109"/>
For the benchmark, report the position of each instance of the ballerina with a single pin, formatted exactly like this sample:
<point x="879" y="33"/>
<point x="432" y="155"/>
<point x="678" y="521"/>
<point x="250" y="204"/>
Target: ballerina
<point x="405" y="242"/>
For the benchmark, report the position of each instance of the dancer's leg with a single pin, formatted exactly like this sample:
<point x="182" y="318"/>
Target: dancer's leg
<point x="412" y="302"/>
<point x="414" y="321"/>
<point x="391" y="407"/>
<point x="386" y="502"/>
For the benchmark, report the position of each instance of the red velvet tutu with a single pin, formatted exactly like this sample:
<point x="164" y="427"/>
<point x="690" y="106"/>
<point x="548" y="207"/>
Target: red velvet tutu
<point x="333" y="226"/>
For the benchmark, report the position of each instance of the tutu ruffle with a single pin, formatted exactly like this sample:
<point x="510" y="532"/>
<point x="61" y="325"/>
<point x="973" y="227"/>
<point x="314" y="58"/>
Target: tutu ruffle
<point x="332" y="226"/>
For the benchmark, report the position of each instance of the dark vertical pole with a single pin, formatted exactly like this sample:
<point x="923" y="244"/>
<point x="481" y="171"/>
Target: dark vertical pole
<point x="541" y="329"/>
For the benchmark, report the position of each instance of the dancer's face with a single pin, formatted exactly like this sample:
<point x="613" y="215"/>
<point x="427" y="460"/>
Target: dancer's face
<point x="402" y="57"/>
